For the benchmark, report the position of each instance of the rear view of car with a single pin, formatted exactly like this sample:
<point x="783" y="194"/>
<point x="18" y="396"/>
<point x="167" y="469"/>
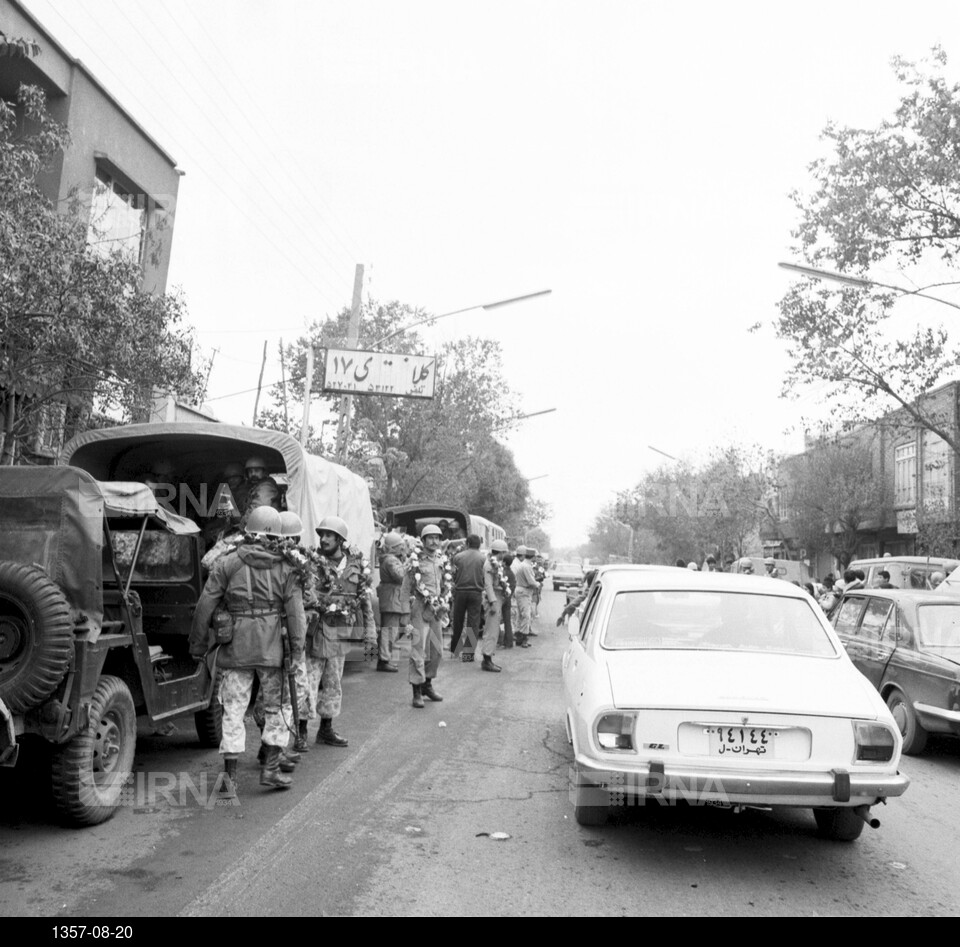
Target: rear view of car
<point x="721" y="690"/>
<point x="567" y="575"/>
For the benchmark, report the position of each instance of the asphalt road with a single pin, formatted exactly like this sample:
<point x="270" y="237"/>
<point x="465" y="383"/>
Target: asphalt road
<point x="404" y="822"/>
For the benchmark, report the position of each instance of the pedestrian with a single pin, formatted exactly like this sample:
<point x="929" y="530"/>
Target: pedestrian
<point x="393" y="595"/>
<point x="509" y="605"/>
<point x="251" y="587"/>
<point x="883" y="580"/>
<point x="496" y="593"/>
<point x="468" y="587"/>
<point x="526" y="587"/>
<point x="710" y="564"/>
<point x="540" y="574"/>
<point x="343" y="578"/>
<point x="431" y="584"/>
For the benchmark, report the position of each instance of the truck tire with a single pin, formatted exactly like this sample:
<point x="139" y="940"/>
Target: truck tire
<point x="89" y="773"/>
<point x="36" y="636"/>
<point x="209" y="722"/>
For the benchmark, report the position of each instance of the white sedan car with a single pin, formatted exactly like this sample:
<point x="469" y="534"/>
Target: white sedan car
<point x="726" y="690"/>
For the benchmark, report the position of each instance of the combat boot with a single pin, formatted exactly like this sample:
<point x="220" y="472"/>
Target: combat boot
<point x="287" y="763"/>
<point x="326" y="734"/>
<point x="227" y="788"/>
<point x="488" y="664"/>
<point x="426" y="688"/>
<point x="270" y="774"/>
<point x="387" y="666"/>
<point x="417" y="696"/>
<point x="300" y="743"/>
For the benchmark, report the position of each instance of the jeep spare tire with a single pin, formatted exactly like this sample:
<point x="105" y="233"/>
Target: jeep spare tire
<point x="36" y="636"/>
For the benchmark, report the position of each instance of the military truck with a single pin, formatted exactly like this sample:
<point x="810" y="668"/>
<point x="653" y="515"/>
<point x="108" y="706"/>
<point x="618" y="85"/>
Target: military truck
<point x="97" y="587"/>
<point x="99" y="577"/>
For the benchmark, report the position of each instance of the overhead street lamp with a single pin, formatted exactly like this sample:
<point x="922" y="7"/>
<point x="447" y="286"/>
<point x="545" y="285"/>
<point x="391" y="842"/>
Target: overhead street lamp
<point x="861" y="283"/>
<point x="456" y="312"/>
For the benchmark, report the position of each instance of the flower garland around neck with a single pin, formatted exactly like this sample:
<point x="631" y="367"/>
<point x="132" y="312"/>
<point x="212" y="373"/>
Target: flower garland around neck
<point x="500" y="575"/>
<point x="440" y="603"/>
<point x="336" y="603"/>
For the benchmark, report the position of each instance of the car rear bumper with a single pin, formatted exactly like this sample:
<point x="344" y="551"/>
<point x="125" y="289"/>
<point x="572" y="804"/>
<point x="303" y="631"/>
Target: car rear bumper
<point x="759" y="787"/>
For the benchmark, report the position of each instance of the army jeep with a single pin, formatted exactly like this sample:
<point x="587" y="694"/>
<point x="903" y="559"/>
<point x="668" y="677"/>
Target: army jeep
<point x="97" y="587"/>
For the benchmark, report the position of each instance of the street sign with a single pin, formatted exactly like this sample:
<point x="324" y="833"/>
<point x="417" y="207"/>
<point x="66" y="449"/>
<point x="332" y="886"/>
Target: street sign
<point x="355" y="372"/>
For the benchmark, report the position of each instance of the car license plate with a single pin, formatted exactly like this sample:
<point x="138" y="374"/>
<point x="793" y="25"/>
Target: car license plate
<point x="743" y="741"/>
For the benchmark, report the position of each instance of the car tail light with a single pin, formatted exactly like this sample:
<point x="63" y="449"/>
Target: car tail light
<point x="615" y="731"/>
<point x="875" y="742"/>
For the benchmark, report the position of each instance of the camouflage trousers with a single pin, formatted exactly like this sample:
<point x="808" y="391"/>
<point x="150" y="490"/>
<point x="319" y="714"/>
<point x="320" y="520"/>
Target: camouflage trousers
<point x="323" y="689"/>
<point x="236" y="687"/>
<point x="426" y="643"/>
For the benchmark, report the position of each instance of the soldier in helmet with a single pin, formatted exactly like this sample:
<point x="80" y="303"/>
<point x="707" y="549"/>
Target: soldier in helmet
<point x="343" y="580"/>
<point x="430" y="582"/>
<point x="393" y="594"/>
<point x="253" y="586"/>
<point x="261" y="488"/>
<point x="496" y="593"/>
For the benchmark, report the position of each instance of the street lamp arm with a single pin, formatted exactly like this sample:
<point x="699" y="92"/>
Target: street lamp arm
<point x="861" y="283"/>
<point x="457" y="312"/>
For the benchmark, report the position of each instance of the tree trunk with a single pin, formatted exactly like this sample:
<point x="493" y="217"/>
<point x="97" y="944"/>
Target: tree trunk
<point x="8" y="441"/>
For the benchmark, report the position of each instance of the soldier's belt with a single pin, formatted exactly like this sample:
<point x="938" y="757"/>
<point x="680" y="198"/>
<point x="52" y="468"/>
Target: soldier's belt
<point x="256" y="613"/>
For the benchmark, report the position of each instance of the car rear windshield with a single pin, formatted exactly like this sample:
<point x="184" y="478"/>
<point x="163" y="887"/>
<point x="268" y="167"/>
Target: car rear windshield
<point x="722" y="621"/>
<point x="940" y="627"/>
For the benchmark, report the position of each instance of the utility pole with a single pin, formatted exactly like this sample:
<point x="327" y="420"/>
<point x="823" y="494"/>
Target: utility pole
<point x="353" y="334"/>
<point x="263" y="365"/>
<point x="307" y="382"/>
<point x="283" y="379"/>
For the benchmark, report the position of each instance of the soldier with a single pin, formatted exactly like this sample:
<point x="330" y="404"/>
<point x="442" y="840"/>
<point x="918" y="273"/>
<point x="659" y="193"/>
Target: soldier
<point x="526" y="587"/>
<point x="431" y="584"/>
<point x="496" y="593"/>
<point x="393" y="594"/>
<point x="261" y="488"/>
<point x="343" y="579"/>
<point x="253" y="586"/>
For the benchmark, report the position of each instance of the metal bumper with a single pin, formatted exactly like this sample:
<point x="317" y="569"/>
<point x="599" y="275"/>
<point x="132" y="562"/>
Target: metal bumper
<point x="759" y="787"/>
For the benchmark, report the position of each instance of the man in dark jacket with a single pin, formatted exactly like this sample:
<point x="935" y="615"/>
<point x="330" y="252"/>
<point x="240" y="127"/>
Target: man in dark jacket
<point x="467" y="597"/>
<point x="253" y="587"/>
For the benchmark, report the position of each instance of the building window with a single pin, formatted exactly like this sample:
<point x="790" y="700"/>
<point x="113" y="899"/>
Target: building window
<point x="118" y="217"/>
<point x="937" y="493"/>
<point x="905" y="475"/>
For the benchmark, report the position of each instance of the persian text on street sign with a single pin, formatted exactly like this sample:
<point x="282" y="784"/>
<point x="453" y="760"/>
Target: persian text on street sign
<point x="379" y="373"/>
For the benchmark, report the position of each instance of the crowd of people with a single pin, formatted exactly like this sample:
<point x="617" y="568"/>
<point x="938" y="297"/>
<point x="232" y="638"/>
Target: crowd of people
<point x="278" y="619"/>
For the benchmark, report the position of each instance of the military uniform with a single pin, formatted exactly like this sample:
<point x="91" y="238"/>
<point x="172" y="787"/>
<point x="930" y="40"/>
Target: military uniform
<point x="346" y="616"/>
<point x="259" y="590"/>
<point x="426" y="647"/>
<point x="494" y="598"/>
<point x="393" y="595"/>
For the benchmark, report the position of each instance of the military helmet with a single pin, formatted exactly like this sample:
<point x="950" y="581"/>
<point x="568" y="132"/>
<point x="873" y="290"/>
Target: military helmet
<point x="255" y="462"/>
<point x="498" y="545"/>
<point x="233" y="469"/>
<point x="521" y="550"/>
<point x="745" y="565"/>
<point x="430" y="530"/>
<point x="290" y="523"/>
<point x="769" y="561"/>
<point x="263" y="521"/>
<point x="335" y="525"/>
<point x="393" y="543"/>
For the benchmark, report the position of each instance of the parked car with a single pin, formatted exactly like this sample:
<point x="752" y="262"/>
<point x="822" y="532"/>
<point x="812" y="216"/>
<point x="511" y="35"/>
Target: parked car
<point x="906" y="572"/>
<point x="566" y="575"/>
<point x="907" y="643"/>
<point x="721" y="689"/>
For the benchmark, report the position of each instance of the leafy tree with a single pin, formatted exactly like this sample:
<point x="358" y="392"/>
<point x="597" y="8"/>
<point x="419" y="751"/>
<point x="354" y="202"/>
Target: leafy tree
<point x="830" y="492"/>
<point x="75" y="327"/>
<point x="887" y="195"/>
<point x="442" y="449"/>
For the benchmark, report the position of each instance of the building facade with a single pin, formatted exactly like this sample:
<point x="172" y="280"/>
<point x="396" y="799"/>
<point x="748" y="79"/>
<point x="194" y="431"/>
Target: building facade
<point x="114" y="174"/>
<point x="898" y="490"/>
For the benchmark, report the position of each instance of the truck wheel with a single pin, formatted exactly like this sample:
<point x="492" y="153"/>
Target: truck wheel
<point x="89" y="772"/>
<point x="36" y="636"/>
<point x="209" y="722"/>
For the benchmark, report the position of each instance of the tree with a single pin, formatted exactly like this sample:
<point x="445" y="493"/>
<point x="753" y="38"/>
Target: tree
<point x="439" y="450"/>
<point x="831" y="492"/>
<point x="887" y="195"/>
<point x="76" y="329"/>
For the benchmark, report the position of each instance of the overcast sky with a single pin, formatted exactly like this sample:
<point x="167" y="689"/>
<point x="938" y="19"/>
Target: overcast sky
<point x="634" y="157"/>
